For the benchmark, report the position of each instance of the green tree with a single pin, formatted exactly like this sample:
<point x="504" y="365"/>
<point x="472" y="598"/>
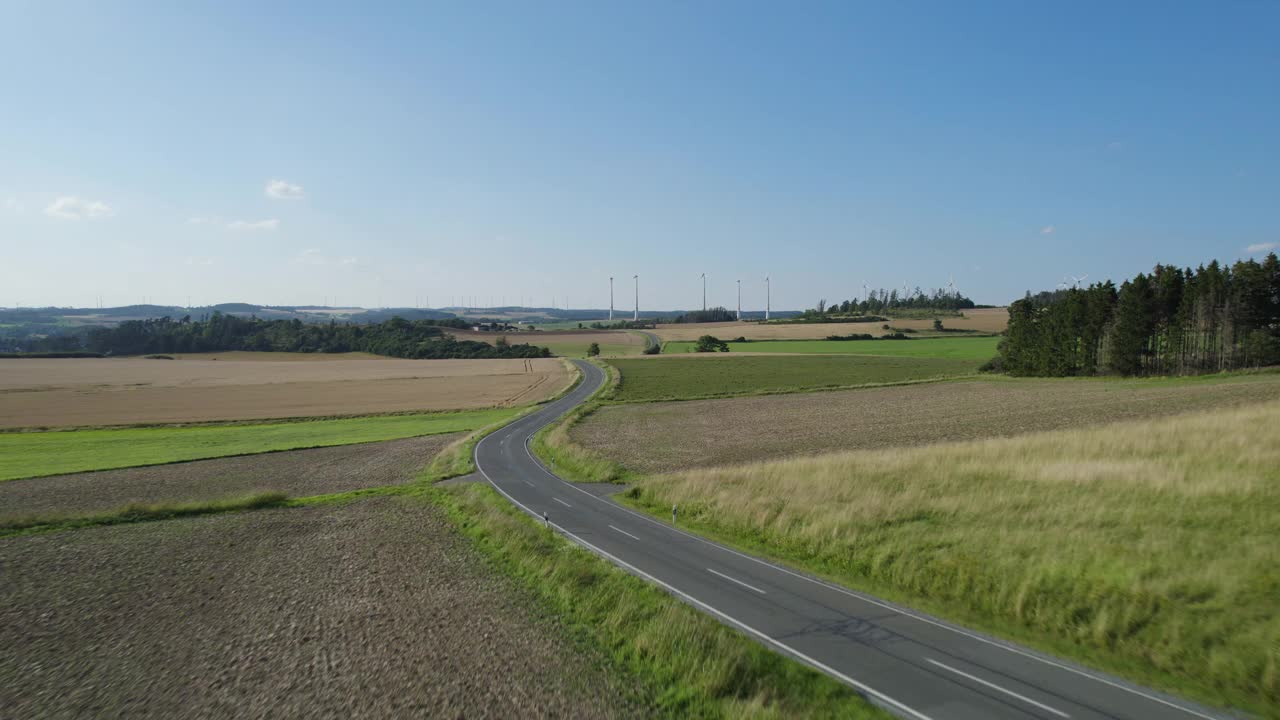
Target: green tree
<point x="593" y="349"/>
<point x="710" y="343"/>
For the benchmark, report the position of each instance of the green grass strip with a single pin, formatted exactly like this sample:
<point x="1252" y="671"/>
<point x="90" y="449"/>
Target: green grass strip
<point x="34" y="454"/>
<point x="690" y="665"/>
<point x="138" y="513"/>
<point x="979" y="349"/>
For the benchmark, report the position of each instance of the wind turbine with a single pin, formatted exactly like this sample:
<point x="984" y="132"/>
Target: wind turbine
<point x="610" y="298"/>
<point x="864" y="292"/>
<point x="951" y="286"/>
<point x="1078" y="280"/>
<point x="739" y="300"/>
<point x="636" y="317"/>
<point x="704" y="292"/>
<point x="768" y="296"/>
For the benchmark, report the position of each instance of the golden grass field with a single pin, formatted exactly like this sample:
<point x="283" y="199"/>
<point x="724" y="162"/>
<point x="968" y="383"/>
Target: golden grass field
<point x="987" y="320"/>
<point x="1137" y="545"/>
<point x="241" y="386"/>
<point x="653" y="437"/>
<point x="568" y="343"/>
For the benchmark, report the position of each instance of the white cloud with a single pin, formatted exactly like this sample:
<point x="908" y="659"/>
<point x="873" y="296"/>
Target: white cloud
<point x="200" y="261"/>
<point x="1047" y="230"/>
<point x="1263" y="247"/>
<point x="69" y="207"/>
<point x="314" y="256"/>
<point x="281" y="190"/>
<point x="251" y="225"/>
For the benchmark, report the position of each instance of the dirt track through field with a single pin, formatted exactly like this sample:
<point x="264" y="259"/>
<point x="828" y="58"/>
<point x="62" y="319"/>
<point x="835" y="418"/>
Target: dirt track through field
<point x="122" y="391"/>
<point x="297" y="473"/>
<point x="375" y="608"/>
<point x="668" y="436"/>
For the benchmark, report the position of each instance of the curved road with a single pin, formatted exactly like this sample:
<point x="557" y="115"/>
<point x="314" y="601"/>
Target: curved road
<point x="911" y="664"/>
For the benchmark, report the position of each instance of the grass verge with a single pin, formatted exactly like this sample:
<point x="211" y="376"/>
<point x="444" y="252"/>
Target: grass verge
<point x="34" y="454"/>
<point x="692" y="665"/>
<point x="1145" y="548"/>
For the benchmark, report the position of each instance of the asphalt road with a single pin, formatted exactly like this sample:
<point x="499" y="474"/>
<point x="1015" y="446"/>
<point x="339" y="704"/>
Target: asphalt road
<point x="911" y="664"/>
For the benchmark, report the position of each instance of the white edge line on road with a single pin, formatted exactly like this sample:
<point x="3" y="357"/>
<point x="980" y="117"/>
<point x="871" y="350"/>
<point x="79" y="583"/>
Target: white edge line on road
<point x="885" y="605"/>
<point x="624" y="532"/>
<point x="994" y="686"/>
<point x="562" y="502"/>
<point x="726" y="618"/>
<point x="698" y="603"/>
<point x="735" y="580"/>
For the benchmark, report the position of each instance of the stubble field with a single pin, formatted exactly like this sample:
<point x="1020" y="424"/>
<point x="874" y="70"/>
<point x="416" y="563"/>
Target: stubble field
<point x="239" y="386"/>
<point x="565" y="343"/>
<point x="669" y="436"/>
<point x="984" y="320"/>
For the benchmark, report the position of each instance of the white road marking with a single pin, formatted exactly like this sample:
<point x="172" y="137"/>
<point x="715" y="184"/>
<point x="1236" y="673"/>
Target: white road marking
<point x="994" y="686"/>
<point x="526" y="482"/>
<point x="624" y="532"/>
<point x="876" y="694"/>
<point x="561" y="502"/>
<point x="735" y="580"/>
<point x="836" y="588"/>
<point x="898" y="609"/>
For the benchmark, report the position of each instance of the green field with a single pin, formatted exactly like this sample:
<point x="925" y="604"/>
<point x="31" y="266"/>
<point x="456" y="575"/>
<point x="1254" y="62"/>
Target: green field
<point x="32" y="454"/>
<point x="1147" y="548"/>
<point x="723" y="375"/>
<point x="966" y="348"/>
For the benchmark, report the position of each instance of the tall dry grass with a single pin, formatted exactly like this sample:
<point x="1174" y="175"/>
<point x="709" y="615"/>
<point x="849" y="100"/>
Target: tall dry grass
<point x="1144" y="546"/>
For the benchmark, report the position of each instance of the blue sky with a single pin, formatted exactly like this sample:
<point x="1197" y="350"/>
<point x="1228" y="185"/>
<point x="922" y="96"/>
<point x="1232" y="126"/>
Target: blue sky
<point x="382" y="154"/>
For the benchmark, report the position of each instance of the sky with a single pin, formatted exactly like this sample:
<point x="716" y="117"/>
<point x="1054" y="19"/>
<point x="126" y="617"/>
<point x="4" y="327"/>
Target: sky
<point x="432" y="154"/>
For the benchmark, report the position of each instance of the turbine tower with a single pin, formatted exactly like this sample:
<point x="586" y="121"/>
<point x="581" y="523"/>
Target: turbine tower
<point x="704" y="292"/>
<point x="768" y="294"/>
<point x="610" y="298"/>
<point x="739" y="301"/>
<point x="636" y="317"/>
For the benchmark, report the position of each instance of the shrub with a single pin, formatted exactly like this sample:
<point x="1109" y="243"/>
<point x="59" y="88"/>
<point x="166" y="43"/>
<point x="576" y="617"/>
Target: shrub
<point x="593" y="349"/>
<point x="710" y="343"/>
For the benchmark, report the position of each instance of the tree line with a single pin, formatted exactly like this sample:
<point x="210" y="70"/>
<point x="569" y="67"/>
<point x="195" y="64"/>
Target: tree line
<point x="881" y="300"/>
<point x="1171" y="321"/>
<point x="397" y="337"/>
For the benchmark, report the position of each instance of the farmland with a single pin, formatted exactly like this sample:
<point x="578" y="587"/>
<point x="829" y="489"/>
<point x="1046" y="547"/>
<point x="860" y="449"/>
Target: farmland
<point x="981" y="320"/>
<point x="27" y="454"/>
<point x="978" y="349"/>
<point x="694" y="376"/>
<point x="1146" y="547"/>
<point x="669" y="436"/>
<point x="240" y="386"/>
<point x="295" y="473"/>
<point x="566" y="343"/>
<point x="371" y="608"/>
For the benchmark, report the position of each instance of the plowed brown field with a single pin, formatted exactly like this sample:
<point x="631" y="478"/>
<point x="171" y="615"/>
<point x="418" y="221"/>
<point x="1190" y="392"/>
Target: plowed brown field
<point x="238" y="386"/>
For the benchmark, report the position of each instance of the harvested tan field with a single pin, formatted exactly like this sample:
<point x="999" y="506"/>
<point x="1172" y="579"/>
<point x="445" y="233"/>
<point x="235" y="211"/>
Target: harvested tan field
<point x="669" y="436"/>
<point x="564" y="342"/>
<point x="297" y="473"/>
<point x="122" y="391"/>
<point x="375" y="608"/>
<point x="987" y="320"/>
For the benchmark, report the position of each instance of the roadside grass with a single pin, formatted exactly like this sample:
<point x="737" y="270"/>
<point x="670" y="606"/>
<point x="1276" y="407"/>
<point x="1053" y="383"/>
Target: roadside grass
<point x="1145" y="548"/>
<point x="34" y="454"/>
<point x="722" y="376"/>
<point x="979" y="349"/>
<point x="692" y="665"/>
